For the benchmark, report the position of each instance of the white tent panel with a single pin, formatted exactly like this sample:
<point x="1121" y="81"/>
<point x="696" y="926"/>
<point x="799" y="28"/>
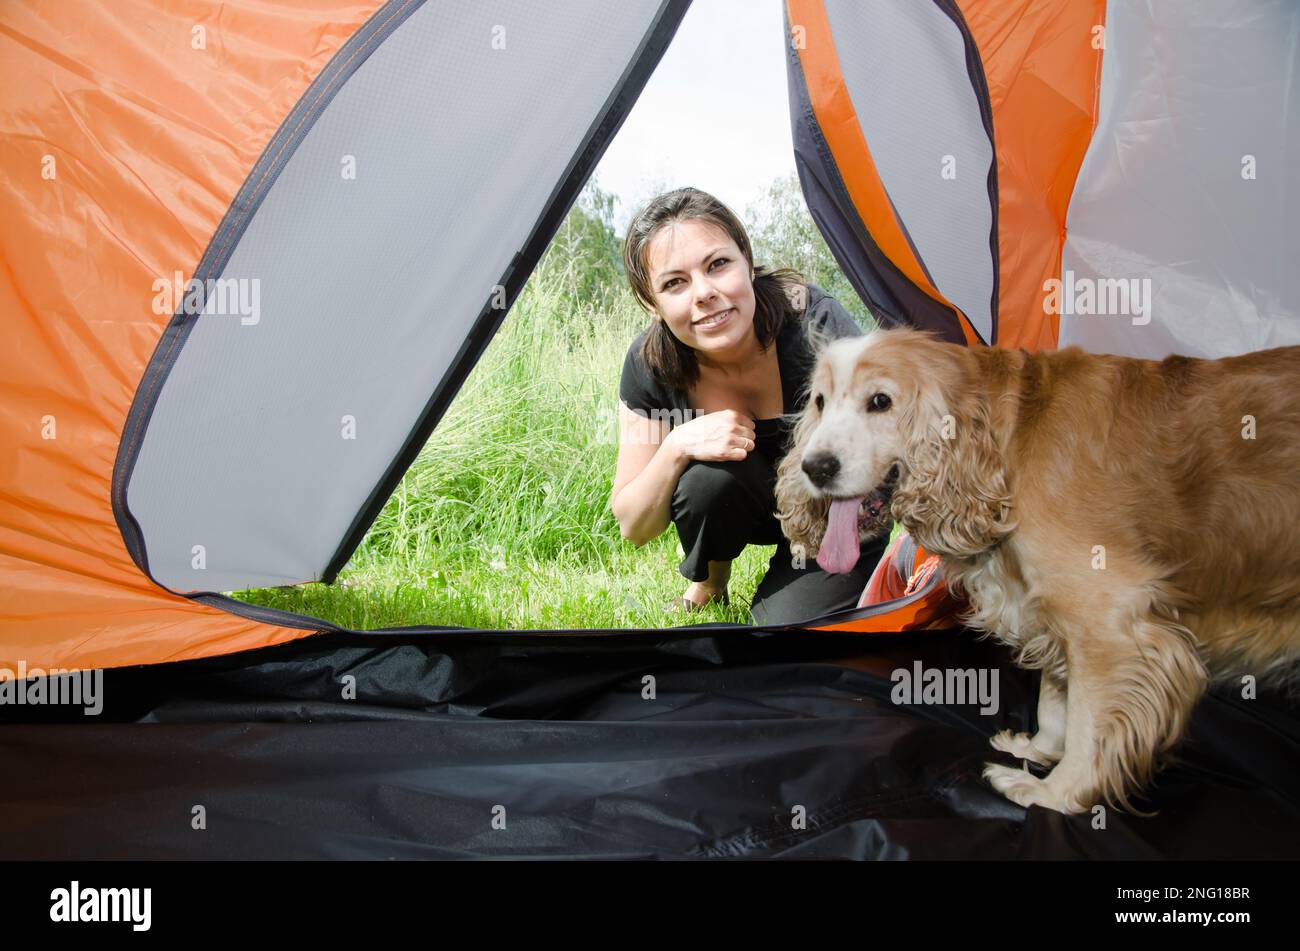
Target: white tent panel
<point x="1189" y="193"/>
<point x="373" y="254"/>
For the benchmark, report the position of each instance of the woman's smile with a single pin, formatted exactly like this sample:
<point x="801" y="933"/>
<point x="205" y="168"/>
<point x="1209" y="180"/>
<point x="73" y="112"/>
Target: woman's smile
<point x="709" y="324"/>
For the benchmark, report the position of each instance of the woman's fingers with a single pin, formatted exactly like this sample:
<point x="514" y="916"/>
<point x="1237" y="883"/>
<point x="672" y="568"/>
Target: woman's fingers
<point x="744" y="424"/>
<point x="734" y="438"/>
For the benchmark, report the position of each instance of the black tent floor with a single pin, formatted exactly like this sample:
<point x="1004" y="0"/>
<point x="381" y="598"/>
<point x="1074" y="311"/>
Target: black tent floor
<point x="466" y="746"/>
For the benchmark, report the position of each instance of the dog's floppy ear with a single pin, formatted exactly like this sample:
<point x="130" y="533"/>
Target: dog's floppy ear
<point x="954" y="485"/>
<point x="802" y="517"/>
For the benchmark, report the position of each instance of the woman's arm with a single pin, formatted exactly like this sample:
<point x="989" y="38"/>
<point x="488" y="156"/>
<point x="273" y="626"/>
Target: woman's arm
<point x="649" y="465"/>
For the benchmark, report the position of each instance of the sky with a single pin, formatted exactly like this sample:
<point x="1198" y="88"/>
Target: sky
<point x="714" y="115"/>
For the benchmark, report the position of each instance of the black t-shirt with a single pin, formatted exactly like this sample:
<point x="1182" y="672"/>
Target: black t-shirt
<point x="645" y="394"/>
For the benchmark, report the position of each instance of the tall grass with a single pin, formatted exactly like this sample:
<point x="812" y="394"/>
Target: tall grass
<point x="503" y="520"/>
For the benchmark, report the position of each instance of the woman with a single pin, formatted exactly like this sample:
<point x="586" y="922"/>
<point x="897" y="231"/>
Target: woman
<point x="702" y="397"/>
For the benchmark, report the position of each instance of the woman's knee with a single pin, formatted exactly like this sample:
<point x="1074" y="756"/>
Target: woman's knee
<point x="703" y="484"/>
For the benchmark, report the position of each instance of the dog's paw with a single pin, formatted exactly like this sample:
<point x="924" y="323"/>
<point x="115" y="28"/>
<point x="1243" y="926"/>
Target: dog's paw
<point x="1025" y="789"/>
<point x="1021" y="746"/>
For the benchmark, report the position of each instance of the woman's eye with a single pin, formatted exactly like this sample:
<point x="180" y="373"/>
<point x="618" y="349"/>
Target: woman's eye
<point x="879" y="403"/>
<point x="820" y="402"/>
<point x="668" y="285"/>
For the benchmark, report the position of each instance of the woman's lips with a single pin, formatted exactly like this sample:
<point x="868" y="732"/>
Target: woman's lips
<point x="717" y="322"/>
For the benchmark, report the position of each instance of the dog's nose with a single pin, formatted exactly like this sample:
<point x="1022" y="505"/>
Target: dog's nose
<point x="821" y="468"/>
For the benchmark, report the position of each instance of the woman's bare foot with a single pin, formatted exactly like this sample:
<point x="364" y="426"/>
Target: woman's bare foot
<point x="699" y="593"/>
<point x="712" y="589"/>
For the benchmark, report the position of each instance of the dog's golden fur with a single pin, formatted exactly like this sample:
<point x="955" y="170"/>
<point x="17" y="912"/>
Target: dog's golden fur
<point x="1106" y="517"/>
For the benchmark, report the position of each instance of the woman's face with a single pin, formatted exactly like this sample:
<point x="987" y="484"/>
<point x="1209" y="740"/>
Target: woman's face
<point x="696" y="272"/>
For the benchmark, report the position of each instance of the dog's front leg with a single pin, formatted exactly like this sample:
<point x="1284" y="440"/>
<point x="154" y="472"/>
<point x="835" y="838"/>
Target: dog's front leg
<point x="1129" y="697"/>
<point x="1072" y="785"/>
<point x="1047" y="746"/>
<point x="1071" y="715"/>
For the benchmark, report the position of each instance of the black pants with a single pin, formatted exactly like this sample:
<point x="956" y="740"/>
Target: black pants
<point x="720" y="507"/>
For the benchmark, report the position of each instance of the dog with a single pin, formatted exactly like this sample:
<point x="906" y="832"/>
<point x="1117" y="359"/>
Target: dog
<point x="1129" y="527"/>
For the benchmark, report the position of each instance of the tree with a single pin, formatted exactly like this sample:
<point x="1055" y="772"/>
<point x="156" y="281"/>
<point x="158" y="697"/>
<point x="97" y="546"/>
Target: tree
<point x="784" y="234"/>
<point x="584" y="262"/>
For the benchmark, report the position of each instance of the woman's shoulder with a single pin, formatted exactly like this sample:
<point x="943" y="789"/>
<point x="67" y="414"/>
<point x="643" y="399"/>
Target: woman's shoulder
<point x="635" y="346"/>
<point x="638" y="386"/>
<point x="634" y="361"/>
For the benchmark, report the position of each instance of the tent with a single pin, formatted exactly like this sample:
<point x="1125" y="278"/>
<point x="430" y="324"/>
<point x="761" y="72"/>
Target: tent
<point x="212" y="210"/>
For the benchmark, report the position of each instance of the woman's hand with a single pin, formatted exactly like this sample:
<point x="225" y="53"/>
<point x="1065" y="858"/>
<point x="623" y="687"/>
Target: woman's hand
<point x="724" y="436"/>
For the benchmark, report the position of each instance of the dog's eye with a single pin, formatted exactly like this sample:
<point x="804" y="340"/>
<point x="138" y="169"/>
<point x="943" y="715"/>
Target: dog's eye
<point x="879" y="403"/>
<point x="819" y="402"/>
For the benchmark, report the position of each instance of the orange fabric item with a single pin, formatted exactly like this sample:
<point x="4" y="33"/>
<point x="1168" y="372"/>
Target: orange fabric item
<point x="124" y="145"/>
<point x="888" y="582"/>
<point x="1043" y="75"/>
<point x="839" y="123"/>
<point x="936" y="611"/>
<point x="891" y="581"/>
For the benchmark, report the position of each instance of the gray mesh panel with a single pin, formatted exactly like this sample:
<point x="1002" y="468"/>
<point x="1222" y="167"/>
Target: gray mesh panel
<point x="1187" y="91"/>
<point x="368" y="286"/>
<point x="905" y="67"/>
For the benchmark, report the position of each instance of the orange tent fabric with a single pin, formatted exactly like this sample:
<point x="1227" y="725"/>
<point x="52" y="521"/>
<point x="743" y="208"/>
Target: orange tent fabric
<point x="1042" y="62"/>
<point x="124" y="146"/>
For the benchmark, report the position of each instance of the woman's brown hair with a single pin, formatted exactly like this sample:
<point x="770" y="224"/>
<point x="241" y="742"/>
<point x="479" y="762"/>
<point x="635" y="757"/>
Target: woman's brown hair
<point x="668" y="358"/>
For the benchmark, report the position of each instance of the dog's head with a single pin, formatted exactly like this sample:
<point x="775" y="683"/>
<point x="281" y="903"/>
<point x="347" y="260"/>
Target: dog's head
<point x="896" y="423"/>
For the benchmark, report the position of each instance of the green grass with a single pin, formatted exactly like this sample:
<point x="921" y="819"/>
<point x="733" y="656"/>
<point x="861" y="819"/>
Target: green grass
<point x="503" y="520"/>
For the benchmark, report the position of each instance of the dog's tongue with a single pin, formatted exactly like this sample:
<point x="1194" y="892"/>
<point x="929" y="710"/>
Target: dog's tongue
<point x="840" y="546"/>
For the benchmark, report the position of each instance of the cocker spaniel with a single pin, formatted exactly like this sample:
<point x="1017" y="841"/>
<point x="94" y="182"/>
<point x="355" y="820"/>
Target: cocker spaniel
<point x="1129" y="527"/>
